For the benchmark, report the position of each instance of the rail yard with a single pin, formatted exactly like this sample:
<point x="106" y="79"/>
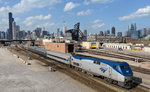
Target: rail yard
<point x="74" y="46"/>
<point x="92" y="82"/>
<point x="123" y="56"/>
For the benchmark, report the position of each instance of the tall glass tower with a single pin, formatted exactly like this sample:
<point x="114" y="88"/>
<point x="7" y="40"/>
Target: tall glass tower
<point x="11" y="19"/>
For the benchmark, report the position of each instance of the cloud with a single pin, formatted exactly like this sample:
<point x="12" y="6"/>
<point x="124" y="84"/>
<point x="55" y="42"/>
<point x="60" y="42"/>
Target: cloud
<point x="4" y="21"/>
<point x="5" y="3"/>
<point x="101" y="1"/>
<point x="3" y="24"/>
<point x="84" y="13"/>
<point x="86" y="2"/>
<point x="27" y="5"/>
<point x="96" y="21"/>
<point x="32" y="19"/>
<point x="47" y="24"/>
<point x="142" y="12"/>
<point x="96" y="26"/>
<point x="4" y="11"/>
<point x="70" y="6"/>
<point x="17" y="19"/>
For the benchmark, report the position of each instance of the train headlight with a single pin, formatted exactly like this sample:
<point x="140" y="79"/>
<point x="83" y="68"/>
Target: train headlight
<point x="127" y="71"/>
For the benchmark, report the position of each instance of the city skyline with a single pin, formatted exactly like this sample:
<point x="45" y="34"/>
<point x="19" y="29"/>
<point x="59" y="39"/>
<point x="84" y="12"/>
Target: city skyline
<point x="94" y="15"/>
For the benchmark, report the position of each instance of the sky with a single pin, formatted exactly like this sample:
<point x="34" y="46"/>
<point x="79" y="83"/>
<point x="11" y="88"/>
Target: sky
<point x="93" y="15"/>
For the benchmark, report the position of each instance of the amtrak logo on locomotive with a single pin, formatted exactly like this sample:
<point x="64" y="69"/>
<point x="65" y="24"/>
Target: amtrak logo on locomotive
<point x="103" y="69"/>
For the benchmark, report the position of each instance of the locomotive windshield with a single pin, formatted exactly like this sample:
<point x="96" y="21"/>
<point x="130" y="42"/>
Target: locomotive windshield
<point x="126" y="70"/>
<point x="124" y="67"/>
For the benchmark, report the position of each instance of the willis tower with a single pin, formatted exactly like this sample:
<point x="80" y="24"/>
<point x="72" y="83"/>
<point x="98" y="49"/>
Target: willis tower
<point x="11" y="19"/>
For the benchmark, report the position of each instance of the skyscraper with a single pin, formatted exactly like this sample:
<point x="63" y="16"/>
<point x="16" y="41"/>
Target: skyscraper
<point x="113" y="31"/>
<point x="14" y="30"/>
<point x="11" y="19"/>
<point x="38" y="31"/>
<point x="64" y="30"/>
<point x="107" y="33"/>
<point x="101" y="33"/>
<point x="58" y="32"/>
<point x="85" y="34"/>
<point x="132" y="27"/>
<point x="17" y="31"/>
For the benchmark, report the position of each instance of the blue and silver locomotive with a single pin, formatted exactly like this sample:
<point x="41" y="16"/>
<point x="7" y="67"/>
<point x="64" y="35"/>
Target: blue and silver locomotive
<point x="115" y="72"/>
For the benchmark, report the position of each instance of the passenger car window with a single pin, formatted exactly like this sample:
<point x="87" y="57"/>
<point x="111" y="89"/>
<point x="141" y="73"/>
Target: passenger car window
<point x="95" y="62"/>
<point x="99" y="63"/>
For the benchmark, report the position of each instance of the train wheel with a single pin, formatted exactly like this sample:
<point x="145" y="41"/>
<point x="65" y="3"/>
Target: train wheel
<point x="83" y="71"/>
<point x="110" y="80"/>
<point x="114" y="82"/>
<point x="105" y="78"/>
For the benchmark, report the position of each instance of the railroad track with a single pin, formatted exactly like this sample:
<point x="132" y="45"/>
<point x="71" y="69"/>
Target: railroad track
<point x="93" y="82"/>
<point x="79" y="76"/>
<point x="134" y="68"/>
<point x="131" y="54"/>
<point x="140" y="69"/>
<point x="110" y="55"/>
<point x="127" y="56"/>
<point x="120" y="55"/>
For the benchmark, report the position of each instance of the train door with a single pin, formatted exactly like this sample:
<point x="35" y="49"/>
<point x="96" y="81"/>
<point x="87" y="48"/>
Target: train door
<point x="110" y="72"/>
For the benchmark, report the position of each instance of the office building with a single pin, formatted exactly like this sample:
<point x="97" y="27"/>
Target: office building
<point x="58" y="32"/>
<point x="135" y="34"/>
<point x="132" y="27"/>
<point x="17" y="32"/>
<point x="44" y="33"/>
<point x="64" y="30"/>
<point x="119" y="34"/>
<point x="2" y="35"/>
<point x="85" y="34"/>
<point x="113" y="31"/>
<point x="132" y="32"/>
<point x="107" y="33"/>
<point x="38" y="31"/>
<point x="101" y="33"/>
<point x="14" y="30"/>
<point x="10" y="33"/>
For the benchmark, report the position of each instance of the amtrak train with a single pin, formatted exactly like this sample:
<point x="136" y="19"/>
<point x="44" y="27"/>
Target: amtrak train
<point x="113" y="71"/>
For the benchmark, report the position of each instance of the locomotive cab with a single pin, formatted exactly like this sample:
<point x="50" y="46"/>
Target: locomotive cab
<point x="126" y="71"/>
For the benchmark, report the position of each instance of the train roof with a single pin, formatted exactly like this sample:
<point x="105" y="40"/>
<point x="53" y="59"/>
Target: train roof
<point x="109" y="62"/>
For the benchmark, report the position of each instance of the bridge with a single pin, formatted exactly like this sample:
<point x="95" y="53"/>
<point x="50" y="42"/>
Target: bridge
<point x="7" y="42"/>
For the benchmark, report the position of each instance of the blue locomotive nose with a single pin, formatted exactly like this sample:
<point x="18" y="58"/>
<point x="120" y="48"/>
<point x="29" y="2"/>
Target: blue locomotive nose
<point x="126" y="70"/>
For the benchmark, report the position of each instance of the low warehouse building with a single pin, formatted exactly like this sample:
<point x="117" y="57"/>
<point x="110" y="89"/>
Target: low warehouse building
<point x="60" y="47"/>
<point x="90" y="45"/>
<point x="117" y="45"/>
<point x="146" y="49"/>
